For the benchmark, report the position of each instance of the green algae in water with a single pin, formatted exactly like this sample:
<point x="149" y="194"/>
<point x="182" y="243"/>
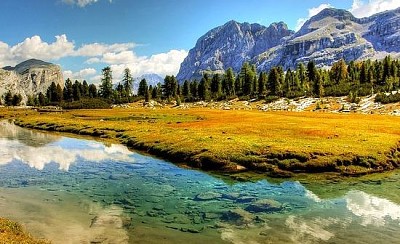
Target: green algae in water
<point x="61" y="187"/>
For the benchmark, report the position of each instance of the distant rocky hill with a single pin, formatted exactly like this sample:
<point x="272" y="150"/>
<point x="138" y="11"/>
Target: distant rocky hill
<point x="29" y="78"/>
<point x="151" y="79"/>
<point x="325" y="38"/>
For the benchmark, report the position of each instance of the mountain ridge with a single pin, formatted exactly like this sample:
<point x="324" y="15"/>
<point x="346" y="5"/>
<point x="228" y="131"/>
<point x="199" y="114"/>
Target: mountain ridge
<point x="325" y="38"/>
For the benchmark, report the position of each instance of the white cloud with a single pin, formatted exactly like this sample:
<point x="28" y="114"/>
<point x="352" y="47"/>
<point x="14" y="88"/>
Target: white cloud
<point x="361" y="8"/>
<point x="98" y="49"/>
<point x="311" y="13"/>
<point x="372" y="210"/>
<point x="84" y="74"/>
<point x="117" y="55"/>
<point x="35" y="47"/>
<point x="81" y="3"/>
<point x="162" y="64"/>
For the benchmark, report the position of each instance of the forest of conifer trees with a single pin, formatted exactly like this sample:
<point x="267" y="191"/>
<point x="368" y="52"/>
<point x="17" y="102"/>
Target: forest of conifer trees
<point x="355" y="79"/>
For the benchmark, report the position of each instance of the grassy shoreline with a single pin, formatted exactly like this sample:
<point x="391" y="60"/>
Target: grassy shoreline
<point x="12" y="232"/>
<point x="280" y="144"/>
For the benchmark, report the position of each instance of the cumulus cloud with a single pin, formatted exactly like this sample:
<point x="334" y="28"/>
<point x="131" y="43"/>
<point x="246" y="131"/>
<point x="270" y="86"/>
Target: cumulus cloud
<point x="311" y="13"/>
<point x="35" y="47"/>
<point x="39" y="157"/>
<point x="81" y="3"/>
<point x="372" y="210"/>
<point x="84" y="74"/>
<point x="162" y="64"/>
<point x="117" y="55"/>
<point x="361" y="8"/>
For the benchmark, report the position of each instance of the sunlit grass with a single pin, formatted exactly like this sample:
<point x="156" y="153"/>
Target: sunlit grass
<point x="308" y="141"/>
<point x="12" y="232"/>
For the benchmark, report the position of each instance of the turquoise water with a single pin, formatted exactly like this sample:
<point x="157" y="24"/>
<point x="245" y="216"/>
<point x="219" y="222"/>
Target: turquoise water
<point x="73" y="190"/>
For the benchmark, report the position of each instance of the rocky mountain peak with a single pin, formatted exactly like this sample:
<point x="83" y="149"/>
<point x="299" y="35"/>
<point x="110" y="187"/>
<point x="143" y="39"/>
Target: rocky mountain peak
<point x="230" y="45"/>
<point x="325" y="38"/>
<point x="30" y="78"/>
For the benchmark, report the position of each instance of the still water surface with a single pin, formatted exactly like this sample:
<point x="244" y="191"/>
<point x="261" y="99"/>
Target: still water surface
<point x="73" y="190"/>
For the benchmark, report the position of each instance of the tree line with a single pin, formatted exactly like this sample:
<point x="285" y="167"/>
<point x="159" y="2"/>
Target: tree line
<point x="354" y="79"/>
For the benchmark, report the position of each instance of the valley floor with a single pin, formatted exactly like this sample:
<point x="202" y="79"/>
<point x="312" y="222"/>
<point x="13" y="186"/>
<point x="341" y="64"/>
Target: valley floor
<point x="280" y="143"/>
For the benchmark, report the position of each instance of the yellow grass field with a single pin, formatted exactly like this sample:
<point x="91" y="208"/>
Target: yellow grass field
<point x="280" y="143"/>
<point x="11" y="232"/>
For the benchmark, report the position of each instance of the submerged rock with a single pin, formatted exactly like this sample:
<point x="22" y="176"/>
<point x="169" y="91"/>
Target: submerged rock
<point x="264" y="205"/>
<point x="238" y="217"/>
<point x="207" y="196"/>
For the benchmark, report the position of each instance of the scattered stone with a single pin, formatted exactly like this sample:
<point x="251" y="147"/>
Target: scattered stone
<point x="238" y="217"/>
<point x="264" y="205"/>
<point x="207" y="196"/>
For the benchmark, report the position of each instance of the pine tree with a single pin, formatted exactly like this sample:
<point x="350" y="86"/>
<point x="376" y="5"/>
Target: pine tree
<point x="274" y="83"/>
<point x="186" y="89"/>
<point x="76" y="87"/>
<point x="16" y="100"/>
<point x="68" y="93"/>
<point x="203" y="90"/>
<point x="106" y="89"/>
<point x="229" y="82"/>
<point x="311" y="71"/>
<point x="216" y="87"/>
<point x="143" y="88"/>
<point x="127" y="82"/>
<point x="8" y="99"/>
<point x="85" y="89"/>
<point x="194" y="89"/>
<point x="92" y="91"/>
<point x="59" y="94"/>
<point x="170" y="87"/>
<point x="262" y="82"/>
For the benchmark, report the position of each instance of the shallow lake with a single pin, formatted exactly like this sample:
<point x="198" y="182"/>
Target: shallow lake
<point x="71" y="190"/>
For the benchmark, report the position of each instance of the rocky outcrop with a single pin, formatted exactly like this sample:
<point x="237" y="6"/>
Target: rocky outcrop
<point x="229" y="46"/>
<point x="327" y="37"/>
<point x="30" y="78"/>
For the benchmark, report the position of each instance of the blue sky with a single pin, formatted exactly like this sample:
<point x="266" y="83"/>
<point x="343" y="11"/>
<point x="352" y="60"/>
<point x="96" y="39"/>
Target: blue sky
<point x="151" y="36"/>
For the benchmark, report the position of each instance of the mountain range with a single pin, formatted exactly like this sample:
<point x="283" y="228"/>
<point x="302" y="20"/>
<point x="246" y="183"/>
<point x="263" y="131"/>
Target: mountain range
<point x="325" y="38"/>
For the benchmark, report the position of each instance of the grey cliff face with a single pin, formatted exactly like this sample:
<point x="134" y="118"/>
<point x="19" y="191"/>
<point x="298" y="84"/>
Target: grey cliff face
<point x="30" y="78"/>
<point x="327" y="37"/>
<point x="229" y="46"/>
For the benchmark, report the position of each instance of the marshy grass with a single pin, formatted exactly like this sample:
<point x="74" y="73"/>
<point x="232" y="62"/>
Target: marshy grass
<point x="280" y="143"/>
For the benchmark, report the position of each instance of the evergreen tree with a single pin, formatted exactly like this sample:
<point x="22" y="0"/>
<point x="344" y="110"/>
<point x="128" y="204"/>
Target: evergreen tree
<point x="106" y="89"/>
<point x="92" y="91"/>
<point x="262" y="82"/>
<point x="42" y="99"/>
<point x="216" y="87"/>
<point x="154" y="93"/>
<point x="274" y="83"/>
<point x="127" y="82"/>
<point x="229" y="82"/>
<point x="59" y="94"/>
<point x="194" y="89"/>
<point x="203" y="90"/>
<point x="85" y="89"/>
<point x="68" y="93"/>
<point x="143" y="88"/>
<point x="339" y="73"/>
<point x="16" y="100"/>
<point x="170" y="87"/>
<point x="8" y="99"/>
<point x="311" y="71"/>
<point x="186" y="89"/>
<point x="76" y="90"/>
<point x="247" y="75"/>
